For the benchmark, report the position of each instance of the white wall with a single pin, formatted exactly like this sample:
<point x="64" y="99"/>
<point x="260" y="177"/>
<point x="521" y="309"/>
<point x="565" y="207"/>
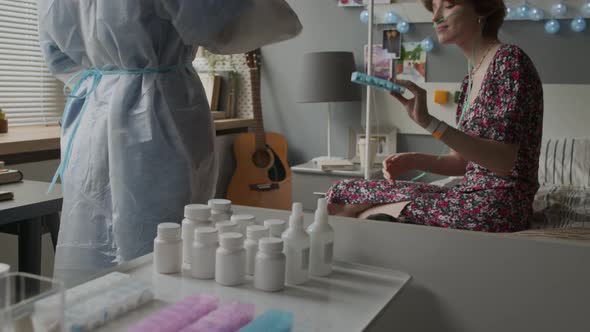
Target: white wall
<point x="566" y="113"/>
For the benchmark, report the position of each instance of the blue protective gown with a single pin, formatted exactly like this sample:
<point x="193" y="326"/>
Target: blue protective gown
<point x="143" y="147"/>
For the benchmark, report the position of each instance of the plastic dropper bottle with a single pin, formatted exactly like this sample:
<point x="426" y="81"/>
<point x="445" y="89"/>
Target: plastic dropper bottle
<point x="297" y="247"/>
<point x="321" y="235"/>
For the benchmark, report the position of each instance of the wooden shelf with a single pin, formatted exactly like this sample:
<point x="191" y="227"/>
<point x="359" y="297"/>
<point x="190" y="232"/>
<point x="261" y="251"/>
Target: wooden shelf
<point x="41" y="138"/>
<point x="414" y="12"/>
<point x="226" y="124"/>
<point x="409" y="10"/>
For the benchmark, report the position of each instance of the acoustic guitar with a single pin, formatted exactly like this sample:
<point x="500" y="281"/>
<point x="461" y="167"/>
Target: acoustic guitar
<point x="262" y="177"/>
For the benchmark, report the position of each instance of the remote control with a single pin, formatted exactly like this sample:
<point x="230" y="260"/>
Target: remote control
<point x="360" y="78"/>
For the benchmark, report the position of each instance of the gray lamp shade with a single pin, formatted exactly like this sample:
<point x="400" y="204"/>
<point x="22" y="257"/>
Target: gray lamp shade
<point x="325" y="77"/>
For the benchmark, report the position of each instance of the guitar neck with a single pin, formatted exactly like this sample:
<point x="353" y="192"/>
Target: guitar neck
<point x="257" y="110"/>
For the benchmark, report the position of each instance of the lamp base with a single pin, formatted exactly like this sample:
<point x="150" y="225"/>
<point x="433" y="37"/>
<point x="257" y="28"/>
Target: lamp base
<point x="333" y="163"/>
<point x="317" y="160"/>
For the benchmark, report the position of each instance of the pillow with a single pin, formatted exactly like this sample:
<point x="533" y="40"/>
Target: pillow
<point x="565" y="161"/>
<point x="561" y="207"/>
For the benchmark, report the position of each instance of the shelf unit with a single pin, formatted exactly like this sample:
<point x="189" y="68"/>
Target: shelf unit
<point x="413" y="11"/>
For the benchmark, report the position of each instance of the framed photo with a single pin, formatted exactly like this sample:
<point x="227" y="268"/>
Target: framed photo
<point x="412" y="67"/>
<point x="387" y="143"/>
<point x="392" y="43"/>
<point x="382" y="61"/>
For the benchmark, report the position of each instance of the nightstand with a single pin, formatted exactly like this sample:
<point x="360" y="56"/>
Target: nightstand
<point x="308" y="179"/>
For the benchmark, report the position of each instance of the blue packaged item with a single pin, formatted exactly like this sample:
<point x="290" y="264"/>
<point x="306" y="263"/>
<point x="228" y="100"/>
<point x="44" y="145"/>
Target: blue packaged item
<point x="271" y="321"/>
<point x="360" y="78"/>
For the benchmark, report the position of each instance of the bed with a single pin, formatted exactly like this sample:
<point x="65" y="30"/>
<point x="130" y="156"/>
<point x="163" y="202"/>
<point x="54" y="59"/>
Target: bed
<point x="562" y="204"/>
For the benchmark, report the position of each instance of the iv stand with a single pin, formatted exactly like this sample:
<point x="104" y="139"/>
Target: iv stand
<point x="369" y="96"/>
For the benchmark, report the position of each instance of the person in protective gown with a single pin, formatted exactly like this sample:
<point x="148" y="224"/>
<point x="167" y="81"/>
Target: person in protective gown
<point x="137" y="135"/>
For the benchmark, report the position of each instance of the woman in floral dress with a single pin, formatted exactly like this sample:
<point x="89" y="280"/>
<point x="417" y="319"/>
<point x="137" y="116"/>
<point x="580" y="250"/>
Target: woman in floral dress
<point x="496" y="146"/>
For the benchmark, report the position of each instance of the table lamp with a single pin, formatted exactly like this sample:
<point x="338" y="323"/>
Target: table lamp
<point x="325" y="78"/>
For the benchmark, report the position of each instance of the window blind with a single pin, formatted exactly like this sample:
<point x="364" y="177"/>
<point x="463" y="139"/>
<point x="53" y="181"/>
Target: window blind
<point x="29" y="94"/>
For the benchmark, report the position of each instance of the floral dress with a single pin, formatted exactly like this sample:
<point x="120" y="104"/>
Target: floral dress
<point x="509" y="109"/>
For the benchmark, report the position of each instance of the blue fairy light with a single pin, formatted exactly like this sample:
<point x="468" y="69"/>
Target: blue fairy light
<point x="578" y="24"/>
<point x="559" y="9"/>
<point x="365" y="16"/>
<point x="585" y="9"/>
<point x="552" y="26"/>
<point x="403" y="27"/>
<point x="536" y="14"/>
<point x="390" y="17"/>
<point x="522" y="11"/>
<point x="427" y="44"/>
<point x="510" y="13"/>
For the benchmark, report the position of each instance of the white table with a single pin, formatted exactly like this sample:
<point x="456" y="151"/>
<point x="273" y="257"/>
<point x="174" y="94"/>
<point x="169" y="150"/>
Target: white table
<point x="350" y="299"/>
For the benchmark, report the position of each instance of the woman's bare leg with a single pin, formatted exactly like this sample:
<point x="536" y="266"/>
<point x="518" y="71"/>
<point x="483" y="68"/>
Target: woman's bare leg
<point x="393" y="209"/>
<point x="347" y="210"/>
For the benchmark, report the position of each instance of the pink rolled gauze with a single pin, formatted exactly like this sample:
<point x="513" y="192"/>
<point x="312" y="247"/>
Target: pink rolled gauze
<point x="177" y="316"/>
<point x="228" y="318"/>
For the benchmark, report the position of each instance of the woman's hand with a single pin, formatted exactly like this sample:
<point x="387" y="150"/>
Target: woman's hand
<point x="416" y="107"/>
<point x="397" y="164"/>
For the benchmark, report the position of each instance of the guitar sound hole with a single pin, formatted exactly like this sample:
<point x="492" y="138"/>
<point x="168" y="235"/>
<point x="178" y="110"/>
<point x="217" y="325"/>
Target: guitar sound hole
<point x="261" y="158"/>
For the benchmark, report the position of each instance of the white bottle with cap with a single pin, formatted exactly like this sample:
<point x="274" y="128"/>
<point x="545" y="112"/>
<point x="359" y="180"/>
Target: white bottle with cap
<point x="297" y="246"/>
<point x="220" y="209"/>
<point x="227" y="226"/>
<point x="203" y="253"/>
<point x="243" y="221"/>
<point x="168" y="249"/>
<point x="230" y="260"/>
<point x="321" y="235"/>
<point x="195" y="215"/>
<point x="276" y="227"/>
<point x="253" y="233"/>
<point x="270" y="265"/>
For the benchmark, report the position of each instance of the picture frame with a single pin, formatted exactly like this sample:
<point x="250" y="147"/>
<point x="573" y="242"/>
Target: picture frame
<point x="392" y="43"/>
<point x="412" y="66"/>
<point x="382" y="61"/>
<point x="387" y="138"/>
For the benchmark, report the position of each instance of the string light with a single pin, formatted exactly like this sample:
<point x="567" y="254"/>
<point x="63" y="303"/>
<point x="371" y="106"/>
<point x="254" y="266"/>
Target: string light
<point x="390" y="17"/>
<point x="403" y="26"/>
<point x="427" y="44"/>
<point x="558" y="9"/>
<point x="536" y="14"/>
<point x="578" y="24"/>
<point x="552" y="26"/>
